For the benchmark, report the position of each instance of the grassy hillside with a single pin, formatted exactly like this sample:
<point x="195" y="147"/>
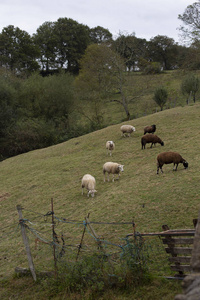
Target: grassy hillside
<point x="152" y="200"/>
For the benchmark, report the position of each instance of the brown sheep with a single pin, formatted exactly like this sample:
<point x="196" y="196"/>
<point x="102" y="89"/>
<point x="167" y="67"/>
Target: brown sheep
<point x="150" y="129"/>
<point x="168" y="158"/>
<point x="151" y="138"/>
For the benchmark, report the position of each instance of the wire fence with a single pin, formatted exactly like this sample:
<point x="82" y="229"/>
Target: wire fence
<point x="67" y="241"/>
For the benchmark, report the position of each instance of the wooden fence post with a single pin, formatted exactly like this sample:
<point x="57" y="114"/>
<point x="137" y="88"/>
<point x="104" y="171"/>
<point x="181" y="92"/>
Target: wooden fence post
<point x="26" y="243"/>
<point x="54" y="238"/>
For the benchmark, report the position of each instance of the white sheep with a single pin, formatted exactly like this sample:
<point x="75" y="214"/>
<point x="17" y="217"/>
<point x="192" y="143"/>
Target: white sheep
<point x="88" y="182"/>
<point x="127" y="129"/>
<point x="113" y="168"/>
<point x="110" y="146"/>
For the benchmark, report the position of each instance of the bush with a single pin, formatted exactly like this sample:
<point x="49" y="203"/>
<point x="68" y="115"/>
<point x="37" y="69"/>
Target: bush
<point x="152" y="68"/>
<point x="27" y="135"/>
<point x="160" y="96"/>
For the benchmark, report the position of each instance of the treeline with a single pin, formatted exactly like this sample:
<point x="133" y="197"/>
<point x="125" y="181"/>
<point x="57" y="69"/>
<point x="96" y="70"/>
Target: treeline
<point x="87" y="68"/>
<point x="61" y="44"/>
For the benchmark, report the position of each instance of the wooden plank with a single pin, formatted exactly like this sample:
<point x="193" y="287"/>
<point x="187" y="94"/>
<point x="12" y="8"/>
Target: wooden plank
<point x="179" y="241"/>
<point x="180" y="259"/>
<point x="182" y="268"/>
<point x="195" y="260"/>
<point x="179" y="250"/>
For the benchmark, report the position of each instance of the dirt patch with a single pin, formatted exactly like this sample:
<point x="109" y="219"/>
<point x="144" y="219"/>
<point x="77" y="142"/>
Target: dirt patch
<point x="4" y="196"/>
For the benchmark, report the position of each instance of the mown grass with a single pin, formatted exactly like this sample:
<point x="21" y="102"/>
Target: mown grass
<point x="172" y="198"/>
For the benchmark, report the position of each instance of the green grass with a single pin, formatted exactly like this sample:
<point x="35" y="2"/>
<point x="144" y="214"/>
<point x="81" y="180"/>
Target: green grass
<point x="172" y="198"/>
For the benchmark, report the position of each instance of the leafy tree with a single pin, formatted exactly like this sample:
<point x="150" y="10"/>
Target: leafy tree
<point x="163" y="50"/>
<point x="18" y="52"/>
<point x="48" y="97"/>
<point x="100" y="35"/>
<point x="190" y="86"/>
<point x="130" y="48"/>
<point x="191" y="28"/>
<point x="72" y="39"/>
<point x="46" y="40"/>
<point x="160" y="96"/>
<point x="102" y="77"/>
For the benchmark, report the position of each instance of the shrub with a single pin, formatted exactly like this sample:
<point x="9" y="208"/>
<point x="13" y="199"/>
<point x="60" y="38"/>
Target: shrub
<point x="160" y="96"/>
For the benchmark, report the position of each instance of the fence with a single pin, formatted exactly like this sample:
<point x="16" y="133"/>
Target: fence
<point x="52" y="242"/>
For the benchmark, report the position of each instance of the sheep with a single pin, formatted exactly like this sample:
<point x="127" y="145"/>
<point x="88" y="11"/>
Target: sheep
<point x="151" y="138"/>
<point x="88" y="182"/>
<point x="150" y="129"/>
<point x="110" y="146"/>
<point x="113" y="168"/>
<point x="127" y="129"/>
<point x="168" y="158"/>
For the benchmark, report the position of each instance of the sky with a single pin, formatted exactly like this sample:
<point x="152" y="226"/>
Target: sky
<point x="145" y="18"/>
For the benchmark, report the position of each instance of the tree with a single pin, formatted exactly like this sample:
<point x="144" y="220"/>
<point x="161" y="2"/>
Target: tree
<point x="18" y="52"/>
<point x="160" y="96"/>
<point x="191" y="28"/>
<point x="48" y="97"/>
<point x="190" y="86"/>
<point x="46" y="41"/>
<point x="72" y="39"/>
<point x="131" y="49"/>
<point x="163" y="50"/>
<point x="100" y="35"/>
<point x="102" y="77"/>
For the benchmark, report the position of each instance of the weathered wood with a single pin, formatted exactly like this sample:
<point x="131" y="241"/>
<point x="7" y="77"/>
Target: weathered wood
<point x="179" y="241"/>
<point x="181" y="268"/>
<point x="195" y="260"/>
<point x="178" y="232"/>
<point x="180" y="259"/>
<point x="171" y="248"/>
<point x="26" y="243"/>
<point x="179" y="250"/>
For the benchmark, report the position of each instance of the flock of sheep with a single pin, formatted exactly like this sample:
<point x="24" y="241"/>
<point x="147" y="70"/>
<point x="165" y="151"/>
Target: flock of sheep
<point x="89" y="182"/>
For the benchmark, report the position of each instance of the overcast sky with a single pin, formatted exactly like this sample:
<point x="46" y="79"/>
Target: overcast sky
<point x="145" y="18"/>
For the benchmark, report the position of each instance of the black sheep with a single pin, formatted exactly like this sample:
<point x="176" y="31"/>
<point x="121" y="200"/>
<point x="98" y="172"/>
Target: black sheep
<point x="150" y="129"/>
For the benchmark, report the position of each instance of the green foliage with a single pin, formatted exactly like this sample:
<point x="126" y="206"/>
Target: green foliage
<point x="100" y="35"/>
<point x="163" y="50"/>
<point x="190" y="86"/>
<point x="160" y="96"/>
<point x="27" y="135"/>
<point x="18" y="52"/>
<point x="151" y="68"/>
<point x="97" y="273"/>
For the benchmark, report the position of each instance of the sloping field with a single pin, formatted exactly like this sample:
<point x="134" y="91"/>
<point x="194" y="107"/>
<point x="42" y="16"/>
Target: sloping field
<point x="151" y="200"/>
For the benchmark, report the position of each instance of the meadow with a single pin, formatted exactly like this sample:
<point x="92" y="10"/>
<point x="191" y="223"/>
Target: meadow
<point x="33" y="179"/>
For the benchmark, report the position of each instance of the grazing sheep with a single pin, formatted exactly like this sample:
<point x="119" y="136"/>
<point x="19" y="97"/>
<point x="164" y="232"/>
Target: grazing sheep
<point x="150" y="129"/>
<point x="168" y="158"/>
<point x="88" y="182"/>
<point x="110" y="146"/>
<point x="113" y="168"/>
<point x="151" y="138"/>
<point x="127" y="129"/>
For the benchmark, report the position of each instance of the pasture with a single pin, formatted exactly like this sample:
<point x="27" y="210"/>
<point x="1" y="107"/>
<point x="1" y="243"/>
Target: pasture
<point x="151" y="200"/>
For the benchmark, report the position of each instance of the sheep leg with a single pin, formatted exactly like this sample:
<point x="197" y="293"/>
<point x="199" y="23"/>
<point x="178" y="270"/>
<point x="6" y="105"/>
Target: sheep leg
<point x="175" y="169"/>
<point x="151" y="145"/>
<point x="108" y="177"/>
<point x="113" y="178"/>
